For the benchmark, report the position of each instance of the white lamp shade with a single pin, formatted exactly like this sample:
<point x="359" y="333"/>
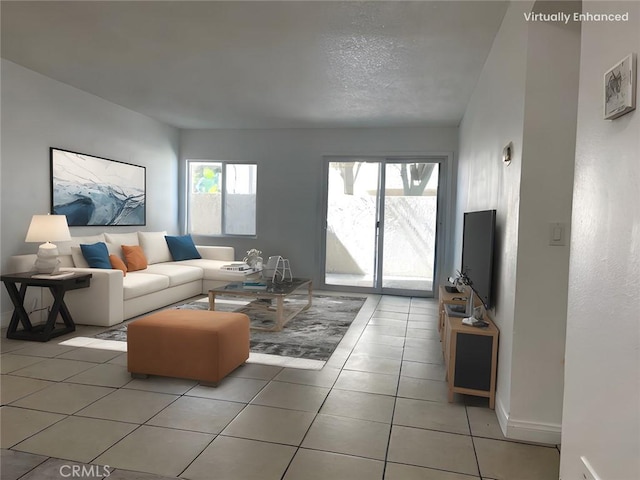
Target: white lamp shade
<point x="48" y="228"/>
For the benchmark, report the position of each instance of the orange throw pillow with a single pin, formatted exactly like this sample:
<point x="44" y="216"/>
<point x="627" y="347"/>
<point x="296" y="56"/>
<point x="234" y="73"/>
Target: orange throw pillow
<point x="118" y="264"/>
<point x="134" y="256"/>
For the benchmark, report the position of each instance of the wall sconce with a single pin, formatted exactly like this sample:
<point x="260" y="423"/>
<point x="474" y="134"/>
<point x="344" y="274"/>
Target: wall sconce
<point x="507" y="153"/>
<point x="45" y="228"/>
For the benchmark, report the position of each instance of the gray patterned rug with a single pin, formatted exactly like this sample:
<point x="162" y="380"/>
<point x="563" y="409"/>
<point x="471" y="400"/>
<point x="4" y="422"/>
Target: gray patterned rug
<point x="312" y="334"/>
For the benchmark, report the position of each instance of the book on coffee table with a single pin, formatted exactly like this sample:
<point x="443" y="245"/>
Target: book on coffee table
<point x="254" y="285"/>
<point x="236" y="267"/>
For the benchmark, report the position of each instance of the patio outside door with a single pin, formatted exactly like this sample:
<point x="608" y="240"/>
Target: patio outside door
<point x="381" y="218"/>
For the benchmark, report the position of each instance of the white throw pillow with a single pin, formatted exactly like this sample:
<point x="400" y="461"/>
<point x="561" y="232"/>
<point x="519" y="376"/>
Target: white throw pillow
<point x="78" y="258"/>
<point x="122" y="238"/>
<point x="64" y="248"/>
<point x="155" y="247"/>
<point x="114" y="242"/>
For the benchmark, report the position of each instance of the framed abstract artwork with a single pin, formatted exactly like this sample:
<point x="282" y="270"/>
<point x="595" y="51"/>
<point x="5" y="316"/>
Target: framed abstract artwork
<point x="97" y="191"/>
<point x="620" y="88"/>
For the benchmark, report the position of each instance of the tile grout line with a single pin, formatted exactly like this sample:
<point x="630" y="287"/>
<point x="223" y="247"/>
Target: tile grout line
<point x="473" y="443"/>
<point x="139" y="425"/>
<point x="178" y="396"/>
<point x="25" y="475"/>
<point x="121" y="387"/>
<point x="395" y="399"/>
<point x="298" y="447"/>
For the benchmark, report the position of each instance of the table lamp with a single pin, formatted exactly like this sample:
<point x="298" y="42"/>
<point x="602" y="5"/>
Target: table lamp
<point x="48" y="228"/>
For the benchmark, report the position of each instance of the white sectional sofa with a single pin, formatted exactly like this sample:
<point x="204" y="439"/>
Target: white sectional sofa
<point x="114" y="297"/>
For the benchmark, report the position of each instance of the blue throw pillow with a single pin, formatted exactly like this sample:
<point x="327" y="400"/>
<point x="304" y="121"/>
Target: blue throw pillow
<point x="96" y="255"/>
<point x="182" y="248"/>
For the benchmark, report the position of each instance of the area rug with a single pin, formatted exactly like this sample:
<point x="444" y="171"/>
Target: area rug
<point x="311" y="336"/>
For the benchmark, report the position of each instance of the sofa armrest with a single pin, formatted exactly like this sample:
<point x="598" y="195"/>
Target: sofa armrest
<point x="102" y="303"/>
<point x="226" y="254"/>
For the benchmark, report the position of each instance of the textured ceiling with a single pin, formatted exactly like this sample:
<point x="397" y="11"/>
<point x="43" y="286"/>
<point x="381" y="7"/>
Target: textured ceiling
<point x="211" y="64"/>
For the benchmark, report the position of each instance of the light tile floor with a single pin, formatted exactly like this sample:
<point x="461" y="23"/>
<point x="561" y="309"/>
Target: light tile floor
<point x="377" y="410"/>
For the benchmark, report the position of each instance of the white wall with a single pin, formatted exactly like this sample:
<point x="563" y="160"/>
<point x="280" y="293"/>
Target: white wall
<point x="290" y="177"/>
<point x="548" y="157"/>
<point x="601" y="417"/>
<point x="526" y="95"/>
<point x="38" y="113"/>
<point x="495" y="117"/>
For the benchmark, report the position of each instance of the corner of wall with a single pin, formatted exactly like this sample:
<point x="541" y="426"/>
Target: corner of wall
<point x="514" y="429"/>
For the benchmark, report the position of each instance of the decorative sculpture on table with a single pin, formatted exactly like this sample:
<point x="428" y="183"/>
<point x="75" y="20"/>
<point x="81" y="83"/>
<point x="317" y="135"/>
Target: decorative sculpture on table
<point x="278" y="270"/>
<point x="253" y="259"/>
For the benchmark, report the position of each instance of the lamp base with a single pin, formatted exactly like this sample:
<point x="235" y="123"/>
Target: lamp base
<point x="47" y="261"/>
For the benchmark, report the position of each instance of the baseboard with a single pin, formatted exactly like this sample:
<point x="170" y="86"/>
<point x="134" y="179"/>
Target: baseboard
<point x="526" y="431"/>
<point x="503" y="416"/>
<point x="548" y="433"/>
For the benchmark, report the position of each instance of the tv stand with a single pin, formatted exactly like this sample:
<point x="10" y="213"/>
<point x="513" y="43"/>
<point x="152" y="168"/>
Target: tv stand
<point x="448" y="298"/>
<point x="452" y="309"/>
<point x="470" y="354"/>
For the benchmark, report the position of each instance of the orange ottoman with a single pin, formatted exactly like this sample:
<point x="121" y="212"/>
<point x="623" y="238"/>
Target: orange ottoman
<point x="195" y="344"/>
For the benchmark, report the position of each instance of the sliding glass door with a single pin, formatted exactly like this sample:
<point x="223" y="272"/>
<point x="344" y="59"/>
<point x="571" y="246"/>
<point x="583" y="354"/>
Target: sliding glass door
<point x="352" y="224"/>
<point x="381" y="219"/>
<point x="410" y="214"/>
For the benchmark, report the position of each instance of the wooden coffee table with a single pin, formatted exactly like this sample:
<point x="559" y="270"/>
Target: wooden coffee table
<point x="277" y="291"/>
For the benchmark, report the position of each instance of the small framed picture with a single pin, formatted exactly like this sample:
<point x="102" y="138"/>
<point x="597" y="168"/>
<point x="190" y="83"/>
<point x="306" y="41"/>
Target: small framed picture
<point x="620" y="88"/>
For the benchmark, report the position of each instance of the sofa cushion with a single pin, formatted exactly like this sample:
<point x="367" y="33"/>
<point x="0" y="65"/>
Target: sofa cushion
<point x="64" y="248"/>
<point x="96" y="255"/>
<point x="178" y="274"/>
<point x="155" y="247"/>
<point x="134" y="257"/>
<point x="66" y="261"/>
<point x="118" y="239"/>
<point x="78" y="258"/>
<point x="182" y="248"/>
<point x="114" y="240"/>
<point x="212" y="269"/>
<point x="137" y="284"/>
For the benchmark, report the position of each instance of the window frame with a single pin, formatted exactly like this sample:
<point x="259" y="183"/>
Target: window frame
<point x="223" y="195"/>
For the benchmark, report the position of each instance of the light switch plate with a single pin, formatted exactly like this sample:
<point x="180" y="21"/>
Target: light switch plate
<point x="557" y="234"/>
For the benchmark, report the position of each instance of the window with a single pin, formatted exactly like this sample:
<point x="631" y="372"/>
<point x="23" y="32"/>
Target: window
<point x="221" y="198"/>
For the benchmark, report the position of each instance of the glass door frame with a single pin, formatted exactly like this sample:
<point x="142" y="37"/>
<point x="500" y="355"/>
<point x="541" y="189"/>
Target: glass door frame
<point x="443" y="200"/>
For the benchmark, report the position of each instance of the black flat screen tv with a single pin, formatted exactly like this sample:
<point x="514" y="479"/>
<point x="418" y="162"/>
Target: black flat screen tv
<point x="477" y="253"/>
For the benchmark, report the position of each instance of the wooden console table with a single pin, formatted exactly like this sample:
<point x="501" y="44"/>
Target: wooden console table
<point x="58" y="287"/>
<point x="471" y="358"/>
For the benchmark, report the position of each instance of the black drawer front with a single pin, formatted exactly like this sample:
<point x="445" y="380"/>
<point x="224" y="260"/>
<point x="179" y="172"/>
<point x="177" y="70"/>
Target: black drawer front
<point x="75" y="283"/>
<point x="473" y="361"/>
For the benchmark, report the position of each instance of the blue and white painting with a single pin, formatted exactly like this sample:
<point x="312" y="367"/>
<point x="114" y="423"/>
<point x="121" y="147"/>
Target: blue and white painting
<point x="96" y="191"/>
